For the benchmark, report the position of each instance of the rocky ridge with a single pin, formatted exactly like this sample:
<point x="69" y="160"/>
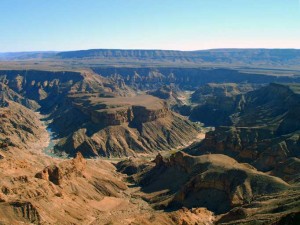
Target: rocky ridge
<point x="84" y="110"/>
<point x="19" y="125"/>
<point x="124" y="126"/>
<point x="151" y="78"/>
<point x="262" y="132"/>
<point x="233" y="191"/>
<point x="216" y="182"/>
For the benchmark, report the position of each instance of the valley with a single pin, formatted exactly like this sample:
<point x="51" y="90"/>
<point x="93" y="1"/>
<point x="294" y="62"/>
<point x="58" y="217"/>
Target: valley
<point x="150" y="137"/>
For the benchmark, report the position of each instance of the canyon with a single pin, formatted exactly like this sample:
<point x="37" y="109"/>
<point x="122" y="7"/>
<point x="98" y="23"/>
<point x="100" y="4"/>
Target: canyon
<point x="148" y="137"/>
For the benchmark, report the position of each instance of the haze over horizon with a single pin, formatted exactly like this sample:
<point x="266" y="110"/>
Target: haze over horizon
<point x="150" y="49"/>
<point x="169" y="25"/>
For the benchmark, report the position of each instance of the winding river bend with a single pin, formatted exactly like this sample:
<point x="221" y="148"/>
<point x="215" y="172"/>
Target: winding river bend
<point x="49" y="150"/>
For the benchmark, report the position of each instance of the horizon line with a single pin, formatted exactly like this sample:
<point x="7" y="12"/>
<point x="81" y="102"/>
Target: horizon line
<point x="145" y="49"/>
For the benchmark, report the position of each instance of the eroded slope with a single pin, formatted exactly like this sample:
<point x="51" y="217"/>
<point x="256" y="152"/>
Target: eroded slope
<point x="123" y="126"/>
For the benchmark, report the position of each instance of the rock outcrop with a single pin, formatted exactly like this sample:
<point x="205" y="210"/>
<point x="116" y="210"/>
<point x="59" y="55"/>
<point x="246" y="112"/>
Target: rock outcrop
<point x="132" y="165"/>
<point x="154" y="77"/>
<point x="212" y="91"/>
<point x="259" y="131"/>
<point x="257" y="146"/>
<point x="288" y="170"/>
<point x="120" y="110"/>
<point x="213" y="103"/>
<point x="170" y="93"/>
<point x="121" y="126"/>
<point x="66" y="170"/>
<point x="67" y="192"/>
<point x="235" y="192"/>
<point x="7" y="94"/>
<point x="216" y="182"/>
<point x="19" y="212"/>
<point x="19" y="126"/>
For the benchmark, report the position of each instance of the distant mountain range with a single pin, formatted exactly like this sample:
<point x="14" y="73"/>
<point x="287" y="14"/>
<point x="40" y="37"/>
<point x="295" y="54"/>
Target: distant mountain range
<point x="26" y="55"/>
<point x="204" y="55"/>
<point x="239" y="57"/>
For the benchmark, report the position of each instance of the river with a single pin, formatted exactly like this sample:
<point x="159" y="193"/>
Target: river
<point x="49" y="150"/>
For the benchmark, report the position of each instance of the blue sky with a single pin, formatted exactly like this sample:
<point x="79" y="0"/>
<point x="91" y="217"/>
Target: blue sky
<point x="30" y="25"/>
